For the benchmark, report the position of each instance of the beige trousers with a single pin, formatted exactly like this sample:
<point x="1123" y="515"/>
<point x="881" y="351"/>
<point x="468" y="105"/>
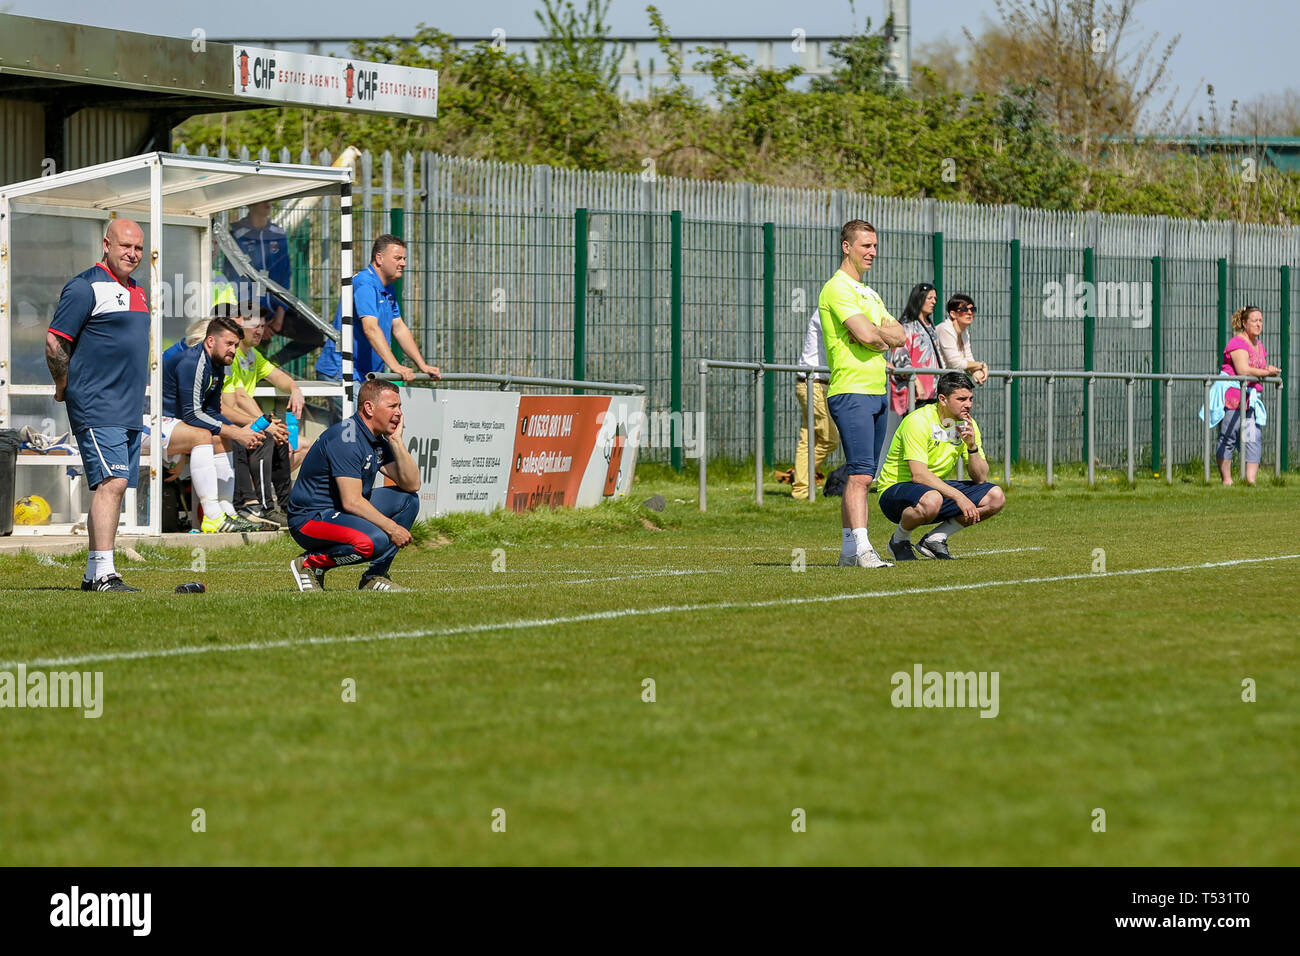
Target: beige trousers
<point x="827" y="438"/>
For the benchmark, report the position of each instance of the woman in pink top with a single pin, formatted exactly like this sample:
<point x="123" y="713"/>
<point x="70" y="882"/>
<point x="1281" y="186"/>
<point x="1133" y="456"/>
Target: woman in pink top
<point x="1243" y="355"/>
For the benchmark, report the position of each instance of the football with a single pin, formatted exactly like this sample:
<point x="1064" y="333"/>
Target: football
<point x="32" y="509"/>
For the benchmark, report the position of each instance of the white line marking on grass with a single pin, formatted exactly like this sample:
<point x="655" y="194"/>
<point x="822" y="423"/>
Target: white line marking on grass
<point x="616" y="577"/>
<point x="525" y="624"/>
<point x="724" y="547"/>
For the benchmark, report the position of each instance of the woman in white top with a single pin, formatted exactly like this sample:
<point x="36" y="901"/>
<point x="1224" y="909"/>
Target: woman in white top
<point x="954" y="339"/>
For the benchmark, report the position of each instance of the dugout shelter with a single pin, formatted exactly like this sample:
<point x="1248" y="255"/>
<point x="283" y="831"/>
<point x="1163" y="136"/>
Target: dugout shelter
<point x="52" y="228"/>
<point x="86" y="119"/>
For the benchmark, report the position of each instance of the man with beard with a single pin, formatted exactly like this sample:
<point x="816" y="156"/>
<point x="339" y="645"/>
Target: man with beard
<point x="193" y="425"/>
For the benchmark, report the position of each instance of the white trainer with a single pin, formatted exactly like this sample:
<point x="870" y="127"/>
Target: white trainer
<point x="869" y="559"/>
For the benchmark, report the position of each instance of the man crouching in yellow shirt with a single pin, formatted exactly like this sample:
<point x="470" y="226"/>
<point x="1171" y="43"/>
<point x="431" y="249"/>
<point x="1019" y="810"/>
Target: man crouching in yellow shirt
<point x="915" y="483"/>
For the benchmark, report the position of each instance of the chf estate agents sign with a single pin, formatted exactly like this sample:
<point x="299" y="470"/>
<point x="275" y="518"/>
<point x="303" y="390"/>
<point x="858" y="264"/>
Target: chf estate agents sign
<point x="334" y="82"/>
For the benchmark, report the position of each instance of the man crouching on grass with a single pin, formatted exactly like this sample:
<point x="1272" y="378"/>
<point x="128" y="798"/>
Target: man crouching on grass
<point x="915" y="483"/>
<point x="335" y="512"/>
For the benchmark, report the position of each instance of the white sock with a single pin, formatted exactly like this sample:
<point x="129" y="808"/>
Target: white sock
<point x="943" y="531"/>
<point x="98" y="564"/>
<point x="203" y="475"/>
<point x="861" y="541"/>
<point x="848" y="547"/>
<point x="901" y="534"/>
<point x="225" y="464"/>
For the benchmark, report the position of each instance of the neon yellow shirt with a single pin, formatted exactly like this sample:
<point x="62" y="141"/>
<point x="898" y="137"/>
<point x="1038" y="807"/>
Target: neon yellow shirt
<point x="247" y="370"/>
<point x="855" y="368"/>
<point x="923" y="436"/>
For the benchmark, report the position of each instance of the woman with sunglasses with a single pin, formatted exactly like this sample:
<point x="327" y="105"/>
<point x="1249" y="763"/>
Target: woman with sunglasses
<point x="954" y="339"/>
<point x="920" y="349"/>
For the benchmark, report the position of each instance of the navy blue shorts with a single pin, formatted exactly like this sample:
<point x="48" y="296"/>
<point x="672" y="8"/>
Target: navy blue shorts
<point x="898" y="498"/>
<point x="109" y="452"/>
<point x="861" y="422"/>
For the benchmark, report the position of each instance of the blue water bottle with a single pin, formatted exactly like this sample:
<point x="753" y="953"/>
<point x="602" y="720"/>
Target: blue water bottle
<point x="291" y="420"/>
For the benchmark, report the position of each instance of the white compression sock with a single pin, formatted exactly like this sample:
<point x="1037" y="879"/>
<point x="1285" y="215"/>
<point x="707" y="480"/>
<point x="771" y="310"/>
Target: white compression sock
<point x="225" y="464"/>
<point x="203" y="475"/>
<point x="901" y="534"/>
<point x="848" y="547"/>
<point x="861" y="541"/>
<point x="98" y="564"/>
<point x="945" y="530"/>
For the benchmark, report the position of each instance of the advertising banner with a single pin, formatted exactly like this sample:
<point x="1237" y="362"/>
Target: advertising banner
<point x="461" y="441"/>
<point x="573" y="450"/>
<point x="334" y="81"/>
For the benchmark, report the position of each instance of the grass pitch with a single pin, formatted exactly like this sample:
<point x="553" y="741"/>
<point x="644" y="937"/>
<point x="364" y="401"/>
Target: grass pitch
<point x="514" y="681"/>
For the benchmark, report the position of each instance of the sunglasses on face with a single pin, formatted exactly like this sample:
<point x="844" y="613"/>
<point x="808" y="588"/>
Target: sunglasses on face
<point x="966" y="308"/>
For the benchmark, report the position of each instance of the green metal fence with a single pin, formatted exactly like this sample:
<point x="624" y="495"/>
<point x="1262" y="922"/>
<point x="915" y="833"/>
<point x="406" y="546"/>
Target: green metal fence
<point x="494" y="291"/>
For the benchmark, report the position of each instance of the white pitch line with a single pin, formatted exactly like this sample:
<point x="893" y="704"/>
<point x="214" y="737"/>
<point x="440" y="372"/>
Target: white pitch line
<point x="724" y="547"/>
<point x="550" y="582"/>
<point x="528" y="623"/>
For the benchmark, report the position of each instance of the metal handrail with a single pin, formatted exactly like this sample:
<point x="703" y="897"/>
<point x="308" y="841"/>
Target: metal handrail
<point x="1008" y="376"/>
<point x="505" y="381"/>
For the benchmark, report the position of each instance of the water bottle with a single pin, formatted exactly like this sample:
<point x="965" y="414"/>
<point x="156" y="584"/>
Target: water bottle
<point x="291" y="420"/>
<point x="194" y="587"/>
<point x="260" y="424"/>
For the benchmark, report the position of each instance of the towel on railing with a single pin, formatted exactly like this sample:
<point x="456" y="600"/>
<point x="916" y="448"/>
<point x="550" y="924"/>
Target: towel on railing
<point x="1218" y="394"/>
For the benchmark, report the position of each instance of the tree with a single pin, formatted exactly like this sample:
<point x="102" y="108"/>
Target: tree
<point x="1269" y="114"/>
<point x="577" y="45"/>
<point x="1095" y="78"/>
<point x="864" y="63"/>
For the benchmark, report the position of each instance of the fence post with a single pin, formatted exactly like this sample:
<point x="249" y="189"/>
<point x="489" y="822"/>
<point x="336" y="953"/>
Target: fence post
<point x="1051" y="399"/>
<point x="675" y="259"/>
<point x="1223" y="308"/>
<point x="1157" y="358"/>
<point x="769" y="340"/>
<point x="936" y="254"/>
<point x="703" y="437"/>
<point x="1014" y="437"/>
<point x="1284" y="392"/>
<point x="1206" y="437"/>
<point x="759" y="381"/>
<point x="580" y="222"/>
<point x="397" y="226"/>
<point x="1089" y="339"/>
<point x="1169" y="431"/>
<point x="1130" y="387"/>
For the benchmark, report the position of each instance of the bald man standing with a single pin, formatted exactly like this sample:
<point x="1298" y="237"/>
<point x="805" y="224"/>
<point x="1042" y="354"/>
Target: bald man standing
<point x="97" y="349"/>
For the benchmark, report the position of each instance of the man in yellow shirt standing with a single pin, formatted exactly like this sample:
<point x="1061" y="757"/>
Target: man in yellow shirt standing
<point x="858" y="331"/>
<point x="916" y="484"/>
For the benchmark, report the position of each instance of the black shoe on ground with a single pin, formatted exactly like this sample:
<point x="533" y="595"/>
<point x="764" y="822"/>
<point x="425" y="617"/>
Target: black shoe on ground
<point x="259" y="516"/>
<point x="901" y="550"/>
<point x="109" y="582"/>
<point x="933" y="548"/>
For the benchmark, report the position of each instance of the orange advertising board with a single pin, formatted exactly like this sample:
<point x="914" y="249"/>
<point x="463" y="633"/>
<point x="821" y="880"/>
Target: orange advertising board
<point x="554" y="442"/>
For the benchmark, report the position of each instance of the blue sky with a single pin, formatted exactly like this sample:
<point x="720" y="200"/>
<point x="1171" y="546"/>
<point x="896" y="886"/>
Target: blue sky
<point x="1243" y="48"/>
